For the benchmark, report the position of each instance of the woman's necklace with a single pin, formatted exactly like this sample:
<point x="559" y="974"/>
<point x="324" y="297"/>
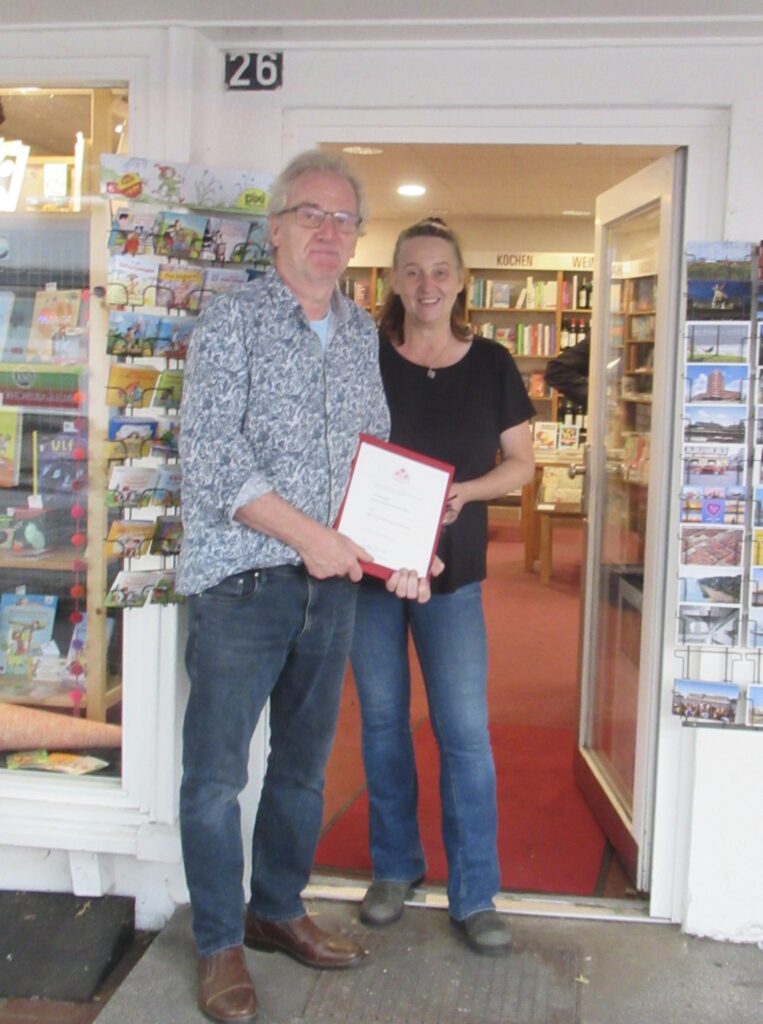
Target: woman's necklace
<point x="431" y="372"/>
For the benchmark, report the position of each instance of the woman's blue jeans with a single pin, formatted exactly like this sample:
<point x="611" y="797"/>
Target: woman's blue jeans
<point x="273" y="634"/>
<point x="449" y="635"/>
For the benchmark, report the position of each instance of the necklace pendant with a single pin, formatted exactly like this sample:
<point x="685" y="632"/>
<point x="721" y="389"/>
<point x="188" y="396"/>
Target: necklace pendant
<point x="430" y="373"/>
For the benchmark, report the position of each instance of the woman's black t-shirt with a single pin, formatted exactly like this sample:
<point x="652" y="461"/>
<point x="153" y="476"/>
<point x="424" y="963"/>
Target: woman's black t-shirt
<point x="457" y="416"/>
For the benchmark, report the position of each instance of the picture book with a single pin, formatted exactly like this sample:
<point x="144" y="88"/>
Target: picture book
<point x="54" y="311"/>
<point x="545" y="435"/>
<point x="10" y="446"/>
<point x="180" y="235"/>
<point x="257" y="248"/>
<point x="132" y="334"/>
<point x="537" y="385"/>
<point x="132" y="233"/>
<point x="51" y="388"/>
<point x="130" y="385"/>
<point x="131" y="486"/>
<point x="167" y="536"/>
<point x="179" y="287"/>
<point x="132" y="280"/>
<point x="569" y="435"/>
<point x="174" y="335"/>
<point x="167" y="488"/>
<point x="56" y="761"/>
<point x="163" y="590"/>
<point x="232" y="237"/>
<point x="130" y="437"/>
<point x="26" y="626"/>
<point x="167" y="436"/>
<point x="169" y="389"/>
<point x="501" y="294"/>
<point x="59" y="462"/>
<point x="129" y="538"/>
<point x="131" y="589"/>
<point x="218" y="280"/>
<point x="6" y="308"/>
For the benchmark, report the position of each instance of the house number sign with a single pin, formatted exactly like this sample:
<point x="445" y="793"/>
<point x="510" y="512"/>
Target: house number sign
<point x="261" y="71"/>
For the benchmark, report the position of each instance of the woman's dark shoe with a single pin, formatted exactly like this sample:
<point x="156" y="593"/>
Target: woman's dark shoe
<point x="485" y="932"/>
<point x="383" y="902"/>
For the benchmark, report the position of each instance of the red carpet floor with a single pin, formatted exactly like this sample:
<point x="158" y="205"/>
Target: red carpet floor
<point x="548" y="839"/>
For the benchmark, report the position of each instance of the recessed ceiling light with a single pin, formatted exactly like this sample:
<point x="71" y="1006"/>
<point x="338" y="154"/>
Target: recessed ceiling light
<point x="576" y="213"/>
<point x="362" y="150"/>
<point x="411" y="190"/>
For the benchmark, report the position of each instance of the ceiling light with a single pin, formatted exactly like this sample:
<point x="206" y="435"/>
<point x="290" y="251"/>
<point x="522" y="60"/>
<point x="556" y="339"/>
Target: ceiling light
<point x="362" y="150"/>
<point x="119" y="128"/>
<point x="411" y="190"/>
<point x="576" y="213"/>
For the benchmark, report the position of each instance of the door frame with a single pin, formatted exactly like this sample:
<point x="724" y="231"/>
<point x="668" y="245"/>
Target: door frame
<point x="704" y="131"/>
<point x="664" y="180"/>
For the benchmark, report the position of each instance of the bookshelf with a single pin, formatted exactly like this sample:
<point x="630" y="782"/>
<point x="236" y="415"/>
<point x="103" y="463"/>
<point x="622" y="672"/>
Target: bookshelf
<point x="632" y="319"/>
<point x="534" y="303"/>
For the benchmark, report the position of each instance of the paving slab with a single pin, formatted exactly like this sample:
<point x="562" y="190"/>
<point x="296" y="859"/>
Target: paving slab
<point x="419" y="971"/>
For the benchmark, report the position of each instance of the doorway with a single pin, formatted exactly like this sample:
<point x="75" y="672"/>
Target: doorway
<point x="549" y="841"/>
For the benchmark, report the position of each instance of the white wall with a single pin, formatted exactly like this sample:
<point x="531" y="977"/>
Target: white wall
<point x="704" y="94"/>
<point x="724" y="895"/>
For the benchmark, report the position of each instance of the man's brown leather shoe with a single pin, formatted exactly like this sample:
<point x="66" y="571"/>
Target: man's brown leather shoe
<point x="302" y="939"/>
<point x="226" y="992"/>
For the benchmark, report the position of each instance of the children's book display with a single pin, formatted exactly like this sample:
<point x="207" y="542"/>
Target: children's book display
<point x="720" y="573"/>
<point x="181" y="236"/>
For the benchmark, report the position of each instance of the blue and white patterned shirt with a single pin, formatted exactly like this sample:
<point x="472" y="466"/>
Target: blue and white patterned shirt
<point x="264" y="409"/>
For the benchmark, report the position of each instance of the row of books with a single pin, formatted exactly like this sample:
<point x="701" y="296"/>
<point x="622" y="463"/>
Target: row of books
<point x="139" y="486"/>
<point x="485" y="293"/>
<point x="522" y="339"/>
<point x="136" y="385"/>
<point x="194" y="236"/>
<point x="152" y="281"/>
<point x="131" y="538"/>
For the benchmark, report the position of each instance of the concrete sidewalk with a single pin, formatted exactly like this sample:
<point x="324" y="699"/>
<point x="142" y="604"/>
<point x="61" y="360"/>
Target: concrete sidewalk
<point x="418" y="971"/>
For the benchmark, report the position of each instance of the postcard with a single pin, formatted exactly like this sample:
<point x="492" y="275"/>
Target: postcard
<point x="705" y="701"/>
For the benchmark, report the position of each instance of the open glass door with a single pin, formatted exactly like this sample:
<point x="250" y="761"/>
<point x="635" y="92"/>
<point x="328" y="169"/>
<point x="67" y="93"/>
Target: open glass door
<point x="633" y="366"/>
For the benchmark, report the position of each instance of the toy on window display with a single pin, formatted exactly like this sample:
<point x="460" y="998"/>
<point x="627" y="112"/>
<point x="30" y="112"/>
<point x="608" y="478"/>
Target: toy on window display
<point x="23" y="728"/>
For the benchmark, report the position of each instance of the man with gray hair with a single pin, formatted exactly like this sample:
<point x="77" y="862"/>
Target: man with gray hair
<point x="281" y="377"/>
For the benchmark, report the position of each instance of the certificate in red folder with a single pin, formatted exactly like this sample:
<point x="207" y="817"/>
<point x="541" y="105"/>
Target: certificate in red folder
<point x="394" y="506"/>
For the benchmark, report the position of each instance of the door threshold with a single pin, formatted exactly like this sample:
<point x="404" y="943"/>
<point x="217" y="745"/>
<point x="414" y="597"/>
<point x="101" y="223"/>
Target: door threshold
<point x="434" y="897"/>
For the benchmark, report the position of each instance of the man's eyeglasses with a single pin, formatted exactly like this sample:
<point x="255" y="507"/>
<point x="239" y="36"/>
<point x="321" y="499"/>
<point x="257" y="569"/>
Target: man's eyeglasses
<point x="312" y="217"/>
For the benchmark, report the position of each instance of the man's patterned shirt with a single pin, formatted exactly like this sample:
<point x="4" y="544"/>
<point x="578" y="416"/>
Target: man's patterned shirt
<point x="264" y="409"/>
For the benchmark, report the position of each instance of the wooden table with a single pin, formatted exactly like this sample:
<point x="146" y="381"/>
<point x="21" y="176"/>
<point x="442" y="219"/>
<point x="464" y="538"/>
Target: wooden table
<point x="531" y="520"/>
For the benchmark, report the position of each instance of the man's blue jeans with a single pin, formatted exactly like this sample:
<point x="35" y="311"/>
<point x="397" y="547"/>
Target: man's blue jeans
<point x="271" y="633"/>
<point x="449" y="634"/>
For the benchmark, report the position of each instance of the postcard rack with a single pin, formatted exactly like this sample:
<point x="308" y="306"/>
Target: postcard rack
<point x="180" y="235"/>
<point x="719" y="620"/>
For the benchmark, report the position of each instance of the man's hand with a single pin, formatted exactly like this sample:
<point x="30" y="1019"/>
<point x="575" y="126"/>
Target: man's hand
<point x="404" y="583"/>
<point x="332" y="554"/>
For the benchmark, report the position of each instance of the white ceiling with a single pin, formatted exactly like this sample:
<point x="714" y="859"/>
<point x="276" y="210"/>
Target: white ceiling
<point x="493" y="182"/>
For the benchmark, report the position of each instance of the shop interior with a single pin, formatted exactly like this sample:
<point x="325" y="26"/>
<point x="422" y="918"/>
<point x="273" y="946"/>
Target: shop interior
<point x="517" y="200"/>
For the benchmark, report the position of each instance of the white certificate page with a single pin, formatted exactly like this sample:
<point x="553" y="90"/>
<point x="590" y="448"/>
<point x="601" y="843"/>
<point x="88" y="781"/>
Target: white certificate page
<point x="394" y="506"/>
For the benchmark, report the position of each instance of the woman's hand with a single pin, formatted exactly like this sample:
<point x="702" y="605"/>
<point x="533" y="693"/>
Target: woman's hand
<point x="406" y="584"/>
<point x="456" y="501"/>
